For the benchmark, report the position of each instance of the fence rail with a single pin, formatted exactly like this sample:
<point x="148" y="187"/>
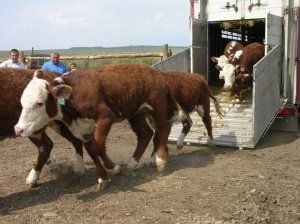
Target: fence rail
<point x="107" y="56"/>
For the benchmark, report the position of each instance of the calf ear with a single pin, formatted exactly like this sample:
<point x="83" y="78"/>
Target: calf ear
<point x="38" y="74"/>
<point x="214" y="59"/>
<point x="62" y="91"/>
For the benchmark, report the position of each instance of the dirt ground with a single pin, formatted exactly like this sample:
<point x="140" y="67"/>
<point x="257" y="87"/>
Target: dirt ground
<point x="200" y="185"/>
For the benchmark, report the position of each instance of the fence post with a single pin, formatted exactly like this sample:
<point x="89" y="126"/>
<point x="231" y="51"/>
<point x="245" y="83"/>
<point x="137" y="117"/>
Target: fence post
<point x="165" y="51"/>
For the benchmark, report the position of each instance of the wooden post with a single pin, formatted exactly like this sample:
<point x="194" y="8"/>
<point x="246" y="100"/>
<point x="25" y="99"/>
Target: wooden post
<point x="165" y="51"/>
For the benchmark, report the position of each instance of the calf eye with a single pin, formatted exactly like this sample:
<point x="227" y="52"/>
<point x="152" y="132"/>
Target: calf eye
<point x="40" y="104"/>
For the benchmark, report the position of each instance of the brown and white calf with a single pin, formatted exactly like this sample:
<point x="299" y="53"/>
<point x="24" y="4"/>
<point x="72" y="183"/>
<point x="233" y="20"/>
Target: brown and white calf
<point x="230" y="49"/>
<point x="89" y="101"/>
<point x="240" y="67"/>
<point x="192" y="93"/>
<point x="13" y="82"/>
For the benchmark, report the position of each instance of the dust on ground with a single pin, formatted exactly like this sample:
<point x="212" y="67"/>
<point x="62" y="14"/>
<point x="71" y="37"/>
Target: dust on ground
<point x="200" y="185"/>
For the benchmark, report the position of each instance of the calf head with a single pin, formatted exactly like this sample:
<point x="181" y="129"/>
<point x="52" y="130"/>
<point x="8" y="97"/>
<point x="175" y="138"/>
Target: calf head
<point x="232" y="73"/>
<point x="41" y="103"/>
<point x="220" y="62"/>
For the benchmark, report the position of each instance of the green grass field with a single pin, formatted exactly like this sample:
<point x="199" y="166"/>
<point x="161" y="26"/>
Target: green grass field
<point x="100" y="62"/>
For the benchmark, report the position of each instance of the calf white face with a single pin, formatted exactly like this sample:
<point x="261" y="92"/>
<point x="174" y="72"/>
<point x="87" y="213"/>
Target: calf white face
<point x="35" y="114"/>
<point x="220" y="61"/>
<point x="228" y="73"/>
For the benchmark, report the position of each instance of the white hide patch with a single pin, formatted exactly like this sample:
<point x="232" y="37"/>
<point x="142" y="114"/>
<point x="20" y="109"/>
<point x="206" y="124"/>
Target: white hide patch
<point x="33" y="177"/>
<point x="233" y="44"/>
<point x="180" y="139"/>
<point x="79" y="166"/>
<point x="237" y="55"/>
<point x="200" y="110"/>
<point x="160" y="163"/>
<point x="151" y="122"/>
<point x="59" y="79"/>
<point x="34" y="116"/>
<point x="222" y="61"/>
<point x="35" y="91"/>
<point x="81" y="128"/>
<point x="228" y="74"/>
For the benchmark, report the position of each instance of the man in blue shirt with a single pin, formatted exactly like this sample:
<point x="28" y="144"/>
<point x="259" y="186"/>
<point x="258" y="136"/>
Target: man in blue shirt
<point x="54" y="65"/>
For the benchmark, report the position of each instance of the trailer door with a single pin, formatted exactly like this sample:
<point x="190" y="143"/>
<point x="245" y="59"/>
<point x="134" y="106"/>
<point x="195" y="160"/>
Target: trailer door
<point x="273" y="31"/>
<point x="199" y="47"/>
<point x="266" y="97"/>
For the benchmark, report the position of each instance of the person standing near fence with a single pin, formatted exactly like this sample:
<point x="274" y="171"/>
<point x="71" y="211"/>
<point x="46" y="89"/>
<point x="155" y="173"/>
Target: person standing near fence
<point x="54" y="65"/>
<point x="13" y="62"/>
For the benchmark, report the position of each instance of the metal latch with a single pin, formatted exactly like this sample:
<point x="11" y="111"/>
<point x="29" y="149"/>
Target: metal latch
<point x="258" y="4"/>
<point x="228" y="6"/>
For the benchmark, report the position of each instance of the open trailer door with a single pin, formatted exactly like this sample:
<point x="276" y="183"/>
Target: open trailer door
<point x="199" y="46"/>
<point x="266" y="94"/>
<point x="273" y="29"/>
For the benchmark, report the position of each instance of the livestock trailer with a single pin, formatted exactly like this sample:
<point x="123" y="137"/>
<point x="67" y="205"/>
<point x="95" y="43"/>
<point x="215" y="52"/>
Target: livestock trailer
<point x="276" y="78"/>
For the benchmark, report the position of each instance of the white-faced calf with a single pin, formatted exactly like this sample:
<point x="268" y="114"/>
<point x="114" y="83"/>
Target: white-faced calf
<point x="89" y="101"/>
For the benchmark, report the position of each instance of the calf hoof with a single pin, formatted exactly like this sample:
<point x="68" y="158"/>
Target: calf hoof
<point x="32" y="179"/>
<point x="132" y="164"/>
<point x="32" y="185"/>
<point x="161" y="164"/>
<point x="102" y="184"/>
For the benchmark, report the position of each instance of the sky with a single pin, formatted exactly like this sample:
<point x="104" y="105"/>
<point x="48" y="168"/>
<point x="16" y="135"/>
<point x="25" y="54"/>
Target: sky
<point x="61" y="24"/>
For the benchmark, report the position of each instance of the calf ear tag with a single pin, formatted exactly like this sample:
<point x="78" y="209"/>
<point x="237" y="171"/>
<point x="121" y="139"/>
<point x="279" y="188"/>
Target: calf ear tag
<point x="61" y="100"/>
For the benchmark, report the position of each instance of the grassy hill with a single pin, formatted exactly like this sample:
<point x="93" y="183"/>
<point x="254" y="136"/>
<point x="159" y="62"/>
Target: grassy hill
<point x="100" y="50"/>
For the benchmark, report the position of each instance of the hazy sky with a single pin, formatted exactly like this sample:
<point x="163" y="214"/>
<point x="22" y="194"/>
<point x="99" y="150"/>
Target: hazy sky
<point x="50" y="24"/>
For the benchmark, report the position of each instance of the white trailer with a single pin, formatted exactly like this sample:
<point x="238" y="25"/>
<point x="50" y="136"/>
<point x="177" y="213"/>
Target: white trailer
<point x="275" y="23"/>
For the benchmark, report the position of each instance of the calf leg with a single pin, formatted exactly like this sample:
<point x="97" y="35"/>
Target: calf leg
<point x="144" y="134"/>
<point x="44" y="144"/>
<point x="204" y="113"/>
<point x="96" y="147"/>
<point x="161" y="148"/>
<point x="100" y="171"/>
<point x="185" y="130"/>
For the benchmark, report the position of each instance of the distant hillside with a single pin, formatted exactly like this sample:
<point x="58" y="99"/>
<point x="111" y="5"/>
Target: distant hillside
<point x="100" y="50"/>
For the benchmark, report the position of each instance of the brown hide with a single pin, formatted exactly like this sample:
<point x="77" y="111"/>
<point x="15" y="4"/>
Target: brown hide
<point x="230" y="50"/>
<point x="123" y="88"/>
<point x="188" y="89"/>
<point x="252" y="53"/>
<point x="12" y="83"/>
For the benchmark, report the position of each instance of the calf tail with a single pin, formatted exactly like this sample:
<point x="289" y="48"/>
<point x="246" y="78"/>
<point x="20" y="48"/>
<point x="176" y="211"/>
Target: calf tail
<point x="218" y="107"/>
